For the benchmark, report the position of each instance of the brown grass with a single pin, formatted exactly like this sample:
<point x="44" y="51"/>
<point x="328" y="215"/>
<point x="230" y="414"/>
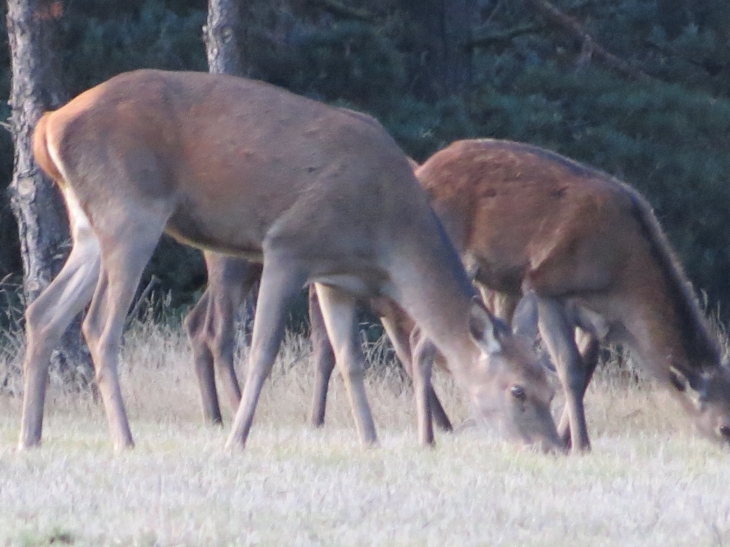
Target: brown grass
<point x="648" y="481"/>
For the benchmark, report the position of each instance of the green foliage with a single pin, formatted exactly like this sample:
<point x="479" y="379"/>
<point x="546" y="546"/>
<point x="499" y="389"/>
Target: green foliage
<point x="102" y="39"/>
<point x="668" y="141"/>
<point x="349" y="61"/>
<point x="345" y="62"/>
<point x="153" y="37"/>
<point x="667" y="135"/>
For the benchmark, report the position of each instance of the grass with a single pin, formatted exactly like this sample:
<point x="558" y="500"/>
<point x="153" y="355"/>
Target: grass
<point x="648" y="481"/>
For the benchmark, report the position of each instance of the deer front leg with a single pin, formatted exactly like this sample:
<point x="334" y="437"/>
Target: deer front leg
<point x="557" y="331"/>
<point x="280" y="282"/>
<point x="211" y="329"/>
<point x="239" y="279"/>
<point x="397" y="329"/>
<point x="339" y="312"/>
<point x="589" y="349"/>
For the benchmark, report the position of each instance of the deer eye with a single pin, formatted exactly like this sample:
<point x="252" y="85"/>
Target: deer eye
<point x="518" y="392"/>
<point x="725" y="431"/>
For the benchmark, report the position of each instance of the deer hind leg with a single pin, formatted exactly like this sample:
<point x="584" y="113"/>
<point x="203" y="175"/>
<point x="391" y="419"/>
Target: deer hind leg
<point x="225" y="304"/>
<point x="281" y="281"/>
<point x="124" y="256"/>
<point x="224" y="308"/>
<point x="340" y="318"/>
<point x="211" y="325"/>
<point x="323" y="357"/>
<point x="589" y="348"/>
<point x="46" y="320"/>
<point x="196" y="326"/>
<point x="557" y="332"/>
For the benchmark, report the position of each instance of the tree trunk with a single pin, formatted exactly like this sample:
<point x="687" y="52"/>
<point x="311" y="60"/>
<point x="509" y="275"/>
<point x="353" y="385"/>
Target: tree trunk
<point x="446" y="28"/>
<point x="222" y="34"/>
<point x="36" y="203"/>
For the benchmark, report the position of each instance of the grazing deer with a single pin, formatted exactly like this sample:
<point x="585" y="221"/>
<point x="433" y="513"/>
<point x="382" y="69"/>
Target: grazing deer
<point x="210" y="326"/>
<point x="517" y="401"/>
<point x="590" y="258"/>
<point x="230" y="165"/>
<point x="590" y="252"/>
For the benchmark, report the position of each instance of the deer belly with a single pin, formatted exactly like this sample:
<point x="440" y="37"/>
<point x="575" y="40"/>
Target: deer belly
<point x="214" y="233"/>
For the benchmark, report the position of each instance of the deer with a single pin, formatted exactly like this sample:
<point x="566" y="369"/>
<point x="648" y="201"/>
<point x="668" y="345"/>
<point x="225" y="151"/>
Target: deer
<point x="210" y="326"/>
<point x="578" y="257"/>
<point x="226" y="164"/>
<point x="518" y="404"/>
<point x="590" y="254"/>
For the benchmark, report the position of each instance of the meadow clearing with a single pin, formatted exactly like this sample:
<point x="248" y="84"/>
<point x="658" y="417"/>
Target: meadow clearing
<point x="648" y="481"/>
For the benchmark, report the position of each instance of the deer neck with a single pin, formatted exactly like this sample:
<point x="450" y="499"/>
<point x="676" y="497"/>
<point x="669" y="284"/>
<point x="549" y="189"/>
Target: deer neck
<point x="432" y="287"/>
<point x="663" y="339"/>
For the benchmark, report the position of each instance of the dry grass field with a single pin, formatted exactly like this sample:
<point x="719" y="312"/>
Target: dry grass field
<point x="648" y="481"/>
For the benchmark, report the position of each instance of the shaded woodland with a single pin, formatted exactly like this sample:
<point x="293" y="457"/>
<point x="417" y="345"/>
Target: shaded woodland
<point x="638" y="88"/>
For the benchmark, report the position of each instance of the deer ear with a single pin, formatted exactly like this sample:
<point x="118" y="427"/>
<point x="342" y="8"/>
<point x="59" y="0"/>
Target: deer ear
<point x="525" y="317"/>
<point x="482" y="328"/>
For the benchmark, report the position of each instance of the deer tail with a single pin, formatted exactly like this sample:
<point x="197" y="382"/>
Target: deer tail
<point x="40" y="149"/>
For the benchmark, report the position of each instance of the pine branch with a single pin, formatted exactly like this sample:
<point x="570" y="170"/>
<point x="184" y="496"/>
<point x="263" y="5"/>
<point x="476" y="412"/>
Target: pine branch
<point x="591" y="48"/>
<point x="343" y="10"/>
<point x="500" y="37"/>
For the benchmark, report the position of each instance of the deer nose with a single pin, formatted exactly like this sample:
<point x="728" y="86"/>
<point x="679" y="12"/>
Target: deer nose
<point x="725" y="431"/>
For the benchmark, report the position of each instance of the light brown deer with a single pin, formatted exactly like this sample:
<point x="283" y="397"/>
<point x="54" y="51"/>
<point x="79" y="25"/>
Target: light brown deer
<point x="241" y="167"/>
<point x="590" y="257"/>
<point x="210" y="326"/>
<point x="517" y="400"/>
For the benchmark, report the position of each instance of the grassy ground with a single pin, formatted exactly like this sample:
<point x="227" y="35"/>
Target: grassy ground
<point x="648" y="481"/>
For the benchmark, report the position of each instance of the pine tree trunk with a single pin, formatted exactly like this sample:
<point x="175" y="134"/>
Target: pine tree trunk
<point x="35" y="201"/>
<point x="222" y="34"/>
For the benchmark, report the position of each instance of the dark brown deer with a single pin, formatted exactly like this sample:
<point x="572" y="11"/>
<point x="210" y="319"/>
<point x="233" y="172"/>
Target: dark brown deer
<point x="590" y="251"/>
<point x="230" y="165"/>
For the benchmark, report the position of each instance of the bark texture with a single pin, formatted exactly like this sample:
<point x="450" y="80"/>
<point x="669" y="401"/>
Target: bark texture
<point x="222" y="34"/>
<point x="35" y="201"/>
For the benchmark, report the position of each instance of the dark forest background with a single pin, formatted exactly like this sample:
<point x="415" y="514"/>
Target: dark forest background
<point x="638" y="88"/>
